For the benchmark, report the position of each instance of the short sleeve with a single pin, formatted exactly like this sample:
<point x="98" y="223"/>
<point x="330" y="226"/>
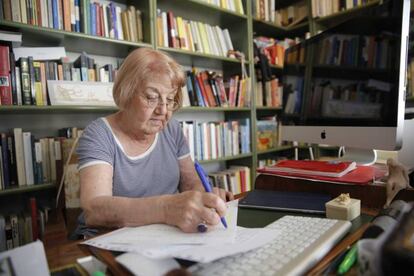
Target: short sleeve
<point x="182" y="144"/>
<point x="96" y="146"/>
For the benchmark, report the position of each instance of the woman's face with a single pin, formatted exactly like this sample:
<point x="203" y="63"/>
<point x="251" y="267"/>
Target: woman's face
<point x="152" y="105"/>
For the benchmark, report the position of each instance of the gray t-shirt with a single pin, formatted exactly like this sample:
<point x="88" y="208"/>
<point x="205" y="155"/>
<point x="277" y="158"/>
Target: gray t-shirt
<point x="154" y="172"/>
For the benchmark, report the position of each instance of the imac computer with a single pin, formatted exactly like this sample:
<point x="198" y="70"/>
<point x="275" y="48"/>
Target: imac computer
<point x="346" y="85"/>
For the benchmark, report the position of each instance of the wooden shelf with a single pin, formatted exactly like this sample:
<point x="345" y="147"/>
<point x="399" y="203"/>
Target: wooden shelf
<point x="271" y="29"/>
<point x="258" y="108"/>
<point x="26" y="189"/>
<point x="213" y="109"/>
<point x="227" y="158"/>
<point x="33" y="109"/>
<point x="276" y="149"/>
<point x="199" y="55"/>
<point x="202" y="4"/>
<point x="71" y="40"/>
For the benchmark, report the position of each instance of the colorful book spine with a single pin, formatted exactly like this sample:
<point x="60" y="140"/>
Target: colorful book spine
<point x="5" y="83"/>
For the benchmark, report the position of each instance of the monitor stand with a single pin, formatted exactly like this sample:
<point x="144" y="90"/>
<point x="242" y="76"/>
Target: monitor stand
<point x="363" y="157"/>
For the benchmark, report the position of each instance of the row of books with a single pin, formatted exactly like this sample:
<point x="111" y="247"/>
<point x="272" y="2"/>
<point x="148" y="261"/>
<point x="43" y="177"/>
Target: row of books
<point x="27" y="78"/>
<point x="17" y="229"/>
<point x="232" y="5"/>
<point x="321" y="8"/>
<point x="208" y="89"/>
<point x="94" y="17"/>
<point x="359" y="96"/>
<point x="274" y="49"/>
<point x="28" y="161"/>
<point x="212" y="140"/>
<point x="342" y="50"/>
<point x="176" y="32"/>
<point x="269" y="94"/>
<point x="288" y="16"/>
<point x="236" y="179"/>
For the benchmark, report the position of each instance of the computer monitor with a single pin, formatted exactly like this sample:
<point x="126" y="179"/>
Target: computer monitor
<point x="346" y="85"/>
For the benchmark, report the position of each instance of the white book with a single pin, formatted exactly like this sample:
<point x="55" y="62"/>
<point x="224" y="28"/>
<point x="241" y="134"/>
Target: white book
<point x="222" y="40"/>
<point x="204" y="135"/>
<point x="164" y="28"/>
<point x="72" y="12"/>
<point x="191" y="139"/>
<point x="119" y="23"/>
<point x="105" y="19"/>
<point x="217" y="42"/>
<point x="213" y="140"/>
<point x="44" y="13"/>
<point x="28" y="157"/>
<point x="186" y="98"/>
<point x="40" y="53"/>
<point x="18" y="148"/>
<point x="50" y="13"/>
<point x="210" y="40"/>
<point x="194" y="27"/>
<point x="227" y="38"/>
<point x="23" y="13"/>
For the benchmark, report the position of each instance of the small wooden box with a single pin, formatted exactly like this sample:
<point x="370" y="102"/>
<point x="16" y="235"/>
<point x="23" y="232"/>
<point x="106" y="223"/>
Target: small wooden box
<point x="335" y="210"/>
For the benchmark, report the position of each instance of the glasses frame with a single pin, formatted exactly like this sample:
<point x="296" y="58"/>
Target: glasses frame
<point x="155" y="102"/>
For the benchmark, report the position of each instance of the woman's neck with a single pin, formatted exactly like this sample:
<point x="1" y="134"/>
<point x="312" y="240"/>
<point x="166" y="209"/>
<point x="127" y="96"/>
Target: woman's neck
<point x="124" y="124"/>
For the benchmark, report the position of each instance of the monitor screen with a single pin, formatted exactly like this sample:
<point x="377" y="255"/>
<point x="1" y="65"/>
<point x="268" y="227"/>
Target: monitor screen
<point x="346" y="85"/>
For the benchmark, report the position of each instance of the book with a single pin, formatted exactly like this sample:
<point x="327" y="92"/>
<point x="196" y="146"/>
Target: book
<point x="5" y="82"/>
<point x="313" y="167"/>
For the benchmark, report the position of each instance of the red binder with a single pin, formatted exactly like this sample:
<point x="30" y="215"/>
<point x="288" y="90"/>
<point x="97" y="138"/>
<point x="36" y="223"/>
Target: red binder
<point x="362" y="175"/>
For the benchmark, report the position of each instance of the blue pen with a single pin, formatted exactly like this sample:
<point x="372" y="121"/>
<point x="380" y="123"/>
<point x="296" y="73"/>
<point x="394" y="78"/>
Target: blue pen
<point x="206" y="184"/>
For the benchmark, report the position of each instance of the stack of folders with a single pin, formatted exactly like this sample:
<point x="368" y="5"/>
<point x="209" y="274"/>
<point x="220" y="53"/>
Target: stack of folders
<point x="313" y="168"/>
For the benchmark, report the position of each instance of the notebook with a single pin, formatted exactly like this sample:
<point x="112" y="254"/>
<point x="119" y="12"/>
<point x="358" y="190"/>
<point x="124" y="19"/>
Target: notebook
<point x="286" y="201"/>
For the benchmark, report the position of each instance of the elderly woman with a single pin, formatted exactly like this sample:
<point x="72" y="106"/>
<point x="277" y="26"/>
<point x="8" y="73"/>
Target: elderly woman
<point x="135" y="166"/>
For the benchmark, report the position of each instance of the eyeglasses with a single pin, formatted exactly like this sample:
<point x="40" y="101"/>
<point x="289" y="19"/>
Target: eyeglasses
<point x="153" y="102"/>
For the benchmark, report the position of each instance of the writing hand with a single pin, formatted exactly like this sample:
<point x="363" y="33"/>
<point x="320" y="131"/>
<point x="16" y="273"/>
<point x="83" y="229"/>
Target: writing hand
<point x="188" y="209"/>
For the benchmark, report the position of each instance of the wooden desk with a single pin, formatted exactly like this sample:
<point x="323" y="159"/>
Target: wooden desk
<point x="68" y="252"/>
<point x="61" y="252"/>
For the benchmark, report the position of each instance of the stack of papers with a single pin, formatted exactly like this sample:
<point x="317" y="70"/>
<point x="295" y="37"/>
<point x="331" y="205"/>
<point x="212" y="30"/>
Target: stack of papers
<point x="159" y="243"/>
<point x="311" y="167"/>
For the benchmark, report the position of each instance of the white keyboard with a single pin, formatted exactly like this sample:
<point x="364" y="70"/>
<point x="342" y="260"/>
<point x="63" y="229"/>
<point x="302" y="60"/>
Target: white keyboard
<point x="303" y="242"/>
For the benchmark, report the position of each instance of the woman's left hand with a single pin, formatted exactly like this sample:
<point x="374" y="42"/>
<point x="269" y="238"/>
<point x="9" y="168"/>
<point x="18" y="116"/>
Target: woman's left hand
<point x="223" y="194"/>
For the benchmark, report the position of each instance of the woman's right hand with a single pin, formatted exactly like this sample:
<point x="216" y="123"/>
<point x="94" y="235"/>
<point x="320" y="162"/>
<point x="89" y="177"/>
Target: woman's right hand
<point x="188" y="209"/>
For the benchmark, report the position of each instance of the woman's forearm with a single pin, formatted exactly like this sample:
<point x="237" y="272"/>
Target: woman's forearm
<point x="111" y="211"/>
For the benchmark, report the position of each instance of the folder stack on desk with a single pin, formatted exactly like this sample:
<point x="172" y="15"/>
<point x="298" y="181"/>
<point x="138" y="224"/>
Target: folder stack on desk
<point x="329" y="171"/>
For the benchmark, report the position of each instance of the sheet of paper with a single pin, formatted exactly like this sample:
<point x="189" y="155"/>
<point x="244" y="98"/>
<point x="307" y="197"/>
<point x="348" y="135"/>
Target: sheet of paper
<point x="29" y="259"/>
<point x="246" y="239"/>
<point x="137" y="239"/>
<point x="140" y="265"/>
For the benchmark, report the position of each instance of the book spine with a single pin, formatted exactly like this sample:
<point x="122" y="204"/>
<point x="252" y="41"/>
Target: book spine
<point x="5" y="83"/>
<point x="33" y="213"/>
<point x="28" y="158"/>
<point x="5" y="163"/>
<point x="32" y="80"/>
<point x="18" y="148"/>
<point x="13" y="80"/>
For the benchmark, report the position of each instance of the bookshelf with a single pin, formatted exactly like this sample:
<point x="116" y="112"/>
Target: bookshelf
<point x="46" y="120"/>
